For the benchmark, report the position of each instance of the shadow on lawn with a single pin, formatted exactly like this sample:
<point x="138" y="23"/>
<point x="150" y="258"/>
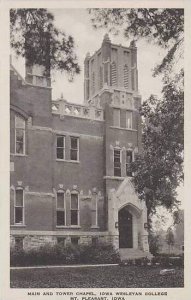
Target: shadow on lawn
<point x="97" y="277"/>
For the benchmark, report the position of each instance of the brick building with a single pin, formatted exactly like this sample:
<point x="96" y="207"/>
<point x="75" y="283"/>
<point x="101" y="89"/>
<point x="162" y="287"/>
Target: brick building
<point x="70" y="177"/>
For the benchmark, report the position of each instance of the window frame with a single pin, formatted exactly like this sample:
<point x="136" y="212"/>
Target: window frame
<point x="77" y="239"/>
<point x="20" y="238"/>
<point x="78" y="210"/>
<point x="131" y="120"/>
<point x="18" y="206"/>
<point x="24" y="135"/>
<point x="62" y="241"/>
<point x="61" y="209"/>
<point x="95" y="210"/>
<point x="77" y="150"/>
<point x="120" y="150"/>
<point x="126" y="163"/>
<point x="119" y="117"/>
<point x="63" y="148"/>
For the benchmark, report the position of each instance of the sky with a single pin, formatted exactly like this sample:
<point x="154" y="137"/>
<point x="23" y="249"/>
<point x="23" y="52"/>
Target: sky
<point x="76" y="22"/>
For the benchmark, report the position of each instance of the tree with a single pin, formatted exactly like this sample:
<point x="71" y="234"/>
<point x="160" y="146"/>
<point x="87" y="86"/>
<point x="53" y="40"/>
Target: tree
<point x="158" y="169"/>
<point x="34" y="36"/>
<point x="170" y="238"/>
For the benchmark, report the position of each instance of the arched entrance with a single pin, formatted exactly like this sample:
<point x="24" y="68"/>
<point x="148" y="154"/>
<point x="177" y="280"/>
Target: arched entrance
<point x="125" y="223"/>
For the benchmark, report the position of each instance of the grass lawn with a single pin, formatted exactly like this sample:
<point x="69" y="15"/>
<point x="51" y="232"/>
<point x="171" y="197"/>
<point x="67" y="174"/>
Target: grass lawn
<point x="96" y="277"/>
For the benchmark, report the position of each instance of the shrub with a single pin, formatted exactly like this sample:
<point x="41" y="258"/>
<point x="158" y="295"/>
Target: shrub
<point x="59" y="255"/>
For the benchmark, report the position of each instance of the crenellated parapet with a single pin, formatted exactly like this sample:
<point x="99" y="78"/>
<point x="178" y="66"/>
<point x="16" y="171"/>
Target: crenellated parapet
<point x="64" y="108"/>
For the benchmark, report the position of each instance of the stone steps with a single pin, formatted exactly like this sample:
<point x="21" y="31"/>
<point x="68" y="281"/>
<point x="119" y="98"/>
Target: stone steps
<point x="126" y="254"/>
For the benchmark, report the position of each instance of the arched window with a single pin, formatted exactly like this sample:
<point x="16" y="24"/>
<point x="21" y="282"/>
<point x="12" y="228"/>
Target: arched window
<point x="19" y="206"/>
<point x="100" y="77"/>
<point x="60" y="208"/>
<point x="93" y="83"/>
<point x="74" y="209"/>
<point x="113" y="74"/>
<point x="126" y="76"/>
<point x="20" y="126"/>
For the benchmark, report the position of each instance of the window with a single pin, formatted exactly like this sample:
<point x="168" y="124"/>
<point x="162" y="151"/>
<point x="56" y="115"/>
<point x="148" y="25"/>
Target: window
<point x="60" y="147"/>
<point x="19" y="135"/>
<point x="74" y="207"/>
<point x="93" y="83"/>
<point x="19" y="206"/>
<point x="126" y="76"/>
<point x="129" y="119"/>
<point x="19" y="243"/>
<point x="94" y="211"/>
<point x="117" y="163"/>
<point x="113" y="74"/>
<point x="94" y="240"/>
<point x="75" y="240"/>
<point x="61" y="241"/>
<point x="100" y="77"/>
<point x="129" y="159"/>
<point x="74" y="148"/>
<point x="60" y="209"/>
<point x="116" y="117"/>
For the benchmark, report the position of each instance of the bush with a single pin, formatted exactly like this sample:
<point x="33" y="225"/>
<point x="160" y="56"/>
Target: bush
<point x="59" y="255"/>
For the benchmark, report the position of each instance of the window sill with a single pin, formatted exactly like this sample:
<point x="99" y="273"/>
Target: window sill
<point x="18" y="225"/>
<point x="114" y="177"/>
<point x="18" y="155"/>
<point x="68" y="161"/>
<point x="95" y="227"/>
<point x="68" y="227"/>
<point x="128" y="129"/>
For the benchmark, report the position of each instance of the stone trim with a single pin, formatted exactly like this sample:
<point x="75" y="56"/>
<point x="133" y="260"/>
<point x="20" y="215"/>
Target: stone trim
<point x="128" y="129"/>
<point x="41" y="194"/>
<point x="59" y="233"/>
<point x="114" y="178"/>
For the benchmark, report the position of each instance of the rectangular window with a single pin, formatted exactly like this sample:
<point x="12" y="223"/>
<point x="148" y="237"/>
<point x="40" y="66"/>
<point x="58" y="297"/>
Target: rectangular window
<point x="60" y="209"/>
<point x="60" y="147"/>
<point x="94" y="240"/>
<point x="94" y="211"/>
<point x="19" y="135"/>
<point x="61" y="241"/>
<point x="129" y="119"/>
<point x="19" y="206"/>
<point x="116" y="117"/>
<point x="117" y="163"/>
<point x="19" y="243"/>
<point x="74" y="209"/>
<point x="75" y="241"/>
<point x="74" y="148"/>
<point x="129" y="159"/>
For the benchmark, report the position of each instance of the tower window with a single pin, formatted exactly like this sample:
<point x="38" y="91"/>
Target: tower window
<point x="19" y="206"/>
<point x="93" y="83"/>
<point x="113" y="74"/>
<point x="60" y="209"/>
<point x="74" y="148"/>
<point x="117" y="163"/>
<point x="60" y="147"/>
<point x="129" y="119"/>
<point x="129" y="159"/>
<point x="19" y="135"/>
<point x="126" y="76"/>
<point x="116" y="117"/>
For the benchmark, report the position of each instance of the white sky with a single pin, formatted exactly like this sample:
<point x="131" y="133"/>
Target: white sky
<point x="76" y="22"/>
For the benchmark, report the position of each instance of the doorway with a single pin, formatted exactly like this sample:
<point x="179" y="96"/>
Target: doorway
<point x="125" y="223"/>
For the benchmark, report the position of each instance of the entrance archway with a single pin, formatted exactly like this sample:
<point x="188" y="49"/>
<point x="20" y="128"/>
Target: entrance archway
<point x="125" y="223"/>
